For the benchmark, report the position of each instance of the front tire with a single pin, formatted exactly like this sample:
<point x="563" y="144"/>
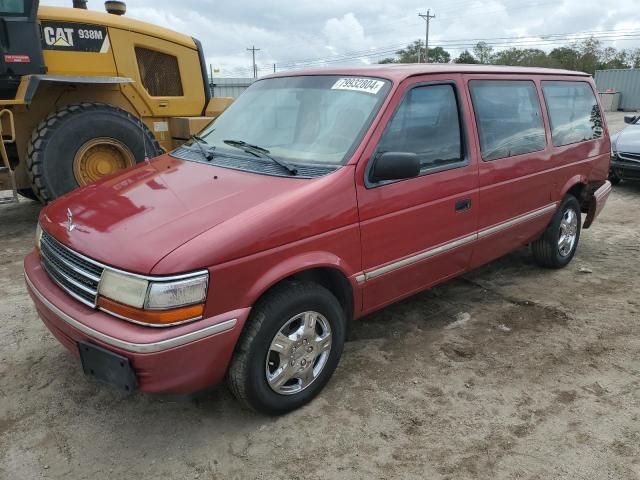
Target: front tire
<point x="289" y="349"/>
<point x="80" y="143"/>
<point x="557" y="245"/>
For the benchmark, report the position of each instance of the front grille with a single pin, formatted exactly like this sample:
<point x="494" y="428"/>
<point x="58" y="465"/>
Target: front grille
<point x="633" y="157"/>
<point x="75" y="274"/>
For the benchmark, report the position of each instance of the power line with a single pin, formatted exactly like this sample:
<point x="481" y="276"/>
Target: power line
<point x="605" y="36"/>
<point x="455" y="9"/>
<point x="543" y="40"/>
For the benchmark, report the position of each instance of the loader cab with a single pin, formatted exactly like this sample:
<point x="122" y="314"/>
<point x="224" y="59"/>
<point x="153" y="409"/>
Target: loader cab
<point x="20" y="46"/>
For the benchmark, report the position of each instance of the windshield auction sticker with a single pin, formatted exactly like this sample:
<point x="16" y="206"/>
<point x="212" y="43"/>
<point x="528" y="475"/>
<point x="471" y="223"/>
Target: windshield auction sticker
<point x="367" y="85"/>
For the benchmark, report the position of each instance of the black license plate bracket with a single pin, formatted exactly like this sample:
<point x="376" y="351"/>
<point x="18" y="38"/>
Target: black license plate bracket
<point x="107" y="367"/>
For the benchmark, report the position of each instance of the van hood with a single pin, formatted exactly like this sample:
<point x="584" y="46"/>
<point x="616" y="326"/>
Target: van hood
<point x="628" y="140"/>
<point x="134" y="219"/>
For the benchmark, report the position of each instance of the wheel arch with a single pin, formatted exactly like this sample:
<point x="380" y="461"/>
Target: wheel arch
<point x="576" y="186"/>
<point x="323" y="268"/>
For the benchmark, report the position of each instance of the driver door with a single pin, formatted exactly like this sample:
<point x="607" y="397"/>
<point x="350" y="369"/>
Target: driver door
<point x="420" y="231"/>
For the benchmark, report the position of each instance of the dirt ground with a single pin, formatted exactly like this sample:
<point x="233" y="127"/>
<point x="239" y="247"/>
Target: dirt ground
<point x="509" y="372"/>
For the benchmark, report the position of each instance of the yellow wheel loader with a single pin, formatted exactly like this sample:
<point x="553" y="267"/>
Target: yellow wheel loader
<point x="84" y="94"/>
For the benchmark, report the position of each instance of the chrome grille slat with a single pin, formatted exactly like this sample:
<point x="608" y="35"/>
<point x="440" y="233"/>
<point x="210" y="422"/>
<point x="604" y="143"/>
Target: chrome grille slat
<point x="68" y="264"/>
<point x="78" y="294"/>
<point x="632" y="157"/>
<point x="70" y="280"/>
<point x="72" y="257"/>
<point x="74" y="273"/>
<point x="67" y="270"/>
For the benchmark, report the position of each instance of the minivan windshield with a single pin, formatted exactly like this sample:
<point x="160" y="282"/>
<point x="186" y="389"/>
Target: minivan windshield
<point x="299" y="120"/>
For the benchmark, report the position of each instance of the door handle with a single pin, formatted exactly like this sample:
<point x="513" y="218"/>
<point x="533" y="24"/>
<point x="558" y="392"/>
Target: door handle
<point x="463" y="205"/>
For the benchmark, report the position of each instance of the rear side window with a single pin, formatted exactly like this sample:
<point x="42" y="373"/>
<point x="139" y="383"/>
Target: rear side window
<point x="573" y="112"/>
<point x="508" y="116"/>
<point x="159" y="73"/>
<point x="427" y="123"/>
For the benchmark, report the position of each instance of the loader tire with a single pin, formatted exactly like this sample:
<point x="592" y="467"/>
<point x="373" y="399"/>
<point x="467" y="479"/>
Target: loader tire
<point x="81" y="143"/>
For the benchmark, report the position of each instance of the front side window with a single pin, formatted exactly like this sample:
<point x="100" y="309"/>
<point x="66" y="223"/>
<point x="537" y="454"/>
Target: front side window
<point x="508" y="116"/>
<point x="302" y="120"/>
<point x="573" y="112"/>
<point x="426" y="123"/>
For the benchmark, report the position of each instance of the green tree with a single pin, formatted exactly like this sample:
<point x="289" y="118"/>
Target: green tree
<point x="590" y="54"/>
<point x="483" y="52"/>
<point x="633" y="58"/>
<point x="439" y="55"/>
<point x="466" y="57"/>
<point x="528" y="57"/>
<point x="510" y="56"/>
<point x="414" y="52"/>
<point x="587" y="56"/>
<point x="564" y="57"/>
<point x="534" y="57"/>
<point x="612" y="58"/>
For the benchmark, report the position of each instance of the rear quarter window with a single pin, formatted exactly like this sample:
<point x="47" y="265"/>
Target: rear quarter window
<point x="508" y="116"/>
<point x="573" y="112"/>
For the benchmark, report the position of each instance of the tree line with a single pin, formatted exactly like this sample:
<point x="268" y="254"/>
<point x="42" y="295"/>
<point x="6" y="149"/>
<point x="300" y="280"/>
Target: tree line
<point x="587" y="56"/>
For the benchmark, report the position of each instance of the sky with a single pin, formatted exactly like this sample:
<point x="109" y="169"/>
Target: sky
<point x="294" y="34"/>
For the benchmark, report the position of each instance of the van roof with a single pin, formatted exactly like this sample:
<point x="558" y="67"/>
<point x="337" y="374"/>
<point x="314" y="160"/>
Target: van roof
<point x="399" y="72"/>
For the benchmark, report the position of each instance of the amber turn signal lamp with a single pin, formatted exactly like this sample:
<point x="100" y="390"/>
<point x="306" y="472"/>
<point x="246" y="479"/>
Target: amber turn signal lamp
<point x="152" y="317"/>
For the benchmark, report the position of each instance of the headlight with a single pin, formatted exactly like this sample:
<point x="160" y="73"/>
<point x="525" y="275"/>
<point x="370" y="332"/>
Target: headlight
<point x="38" y="235"/>
<point x="123" y="288"/>
<point x="150" y="302"/>
<point x="177" y="294"/>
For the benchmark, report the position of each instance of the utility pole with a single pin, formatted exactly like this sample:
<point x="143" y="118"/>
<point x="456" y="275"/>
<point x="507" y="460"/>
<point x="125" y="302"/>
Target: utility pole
<point x="253" y="51"/>
<point x="427" y="18"/>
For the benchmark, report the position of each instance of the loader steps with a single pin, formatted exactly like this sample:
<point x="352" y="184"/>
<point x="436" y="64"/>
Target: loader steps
<point x="5" y="167"/>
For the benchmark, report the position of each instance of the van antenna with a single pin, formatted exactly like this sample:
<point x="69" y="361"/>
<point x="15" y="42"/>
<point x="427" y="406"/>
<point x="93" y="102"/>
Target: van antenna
<point x="144" y="141"/>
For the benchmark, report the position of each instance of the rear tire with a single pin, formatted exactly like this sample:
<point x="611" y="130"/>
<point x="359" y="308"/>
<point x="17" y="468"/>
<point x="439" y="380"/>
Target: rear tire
<point x="52" y="150"/>
<point x="258" y="370"/>
<point x="557" y="245"/>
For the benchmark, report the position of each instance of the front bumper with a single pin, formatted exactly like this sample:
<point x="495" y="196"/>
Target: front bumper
<point x="625" y="169"/>
<point x="182" y="359"/>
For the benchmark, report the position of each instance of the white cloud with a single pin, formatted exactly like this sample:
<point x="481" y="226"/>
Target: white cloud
<point x="345" y="34"/>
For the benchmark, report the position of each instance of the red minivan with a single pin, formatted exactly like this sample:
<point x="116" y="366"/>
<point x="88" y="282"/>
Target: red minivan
<point x="316" y="198"/>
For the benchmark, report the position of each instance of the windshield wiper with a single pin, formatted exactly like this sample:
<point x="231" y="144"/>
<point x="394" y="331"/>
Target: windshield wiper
<point x="261" y="152"/>
<point x="208" y="155"/>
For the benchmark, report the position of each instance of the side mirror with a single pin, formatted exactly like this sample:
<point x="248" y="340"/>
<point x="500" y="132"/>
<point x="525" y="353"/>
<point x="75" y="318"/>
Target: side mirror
<point x="630" y="119"/>
<point x="395" y="166"/>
